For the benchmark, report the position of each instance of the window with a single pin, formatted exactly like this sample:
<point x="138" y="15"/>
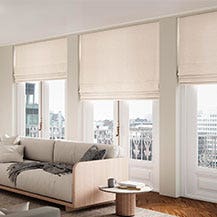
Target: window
<point x="133" y="125"/>
<point x="44" y="104"/>
<point x="103" y="121"/>
<point x="198" y="140"/>
<point x="140" y="129"/>
<point x="207" y="125"/>
<point x="32" y="109"/>
<point x="57" y="109"/>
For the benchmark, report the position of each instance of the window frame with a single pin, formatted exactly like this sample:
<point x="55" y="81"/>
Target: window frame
<point x="43" y="109"/>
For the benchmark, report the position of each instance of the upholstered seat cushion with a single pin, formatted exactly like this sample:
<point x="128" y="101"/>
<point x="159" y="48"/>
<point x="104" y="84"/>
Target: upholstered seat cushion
<point x="40" y="182"/>
<point x="4" y="180"/>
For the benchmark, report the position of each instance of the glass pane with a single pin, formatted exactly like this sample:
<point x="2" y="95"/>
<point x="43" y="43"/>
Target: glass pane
<point x="32" y="108"/>
<point x="57" y="109"/>
<point x="103" y="122"/>
<point x="140" y="129"/>
<point x="207" y="126"/>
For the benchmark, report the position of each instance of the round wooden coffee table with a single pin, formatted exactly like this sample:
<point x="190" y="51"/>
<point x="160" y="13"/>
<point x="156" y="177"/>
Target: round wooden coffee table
<point x="125" y="199"/>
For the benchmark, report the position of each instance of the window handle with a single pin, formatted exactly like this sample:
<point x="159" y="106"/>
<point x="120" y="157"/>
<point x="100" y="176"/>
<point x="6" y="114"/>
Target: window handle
<point x="117" y="131"/>
<point x="40" y="126"/>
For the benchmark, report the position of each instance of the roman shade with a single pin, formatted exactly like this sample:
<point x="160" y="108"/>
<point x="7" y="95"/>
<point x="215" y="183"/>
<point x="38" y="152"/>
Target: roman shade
<point x="41" y="61"/>
<point x="120" y="63"/>
<point x="198" y="48"/>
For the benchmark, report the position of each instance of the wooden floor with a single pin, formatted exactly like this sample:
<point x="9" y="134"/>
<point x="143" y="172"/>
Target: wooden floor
<point x="182" y="207"/>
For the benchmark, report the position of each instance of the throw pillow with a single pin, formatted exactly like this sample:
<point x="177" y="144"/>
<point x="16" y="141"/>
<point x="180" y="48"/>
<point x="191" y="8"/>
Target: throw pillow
<point x="10" y="140"/>
<point x="90" y="154"/>
<point x="100" y="155"/>
<point x="11" y="153"/>
<point x="15" y="208"/>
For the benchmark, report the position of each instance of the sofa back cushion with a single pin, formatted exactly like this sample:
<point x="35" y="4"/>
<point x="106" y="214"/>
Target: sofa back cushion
<point x="9" y="140"/>
<point x="11" y="153"/>
<point x="72" y="152"/>
<point x="38" y="149"/>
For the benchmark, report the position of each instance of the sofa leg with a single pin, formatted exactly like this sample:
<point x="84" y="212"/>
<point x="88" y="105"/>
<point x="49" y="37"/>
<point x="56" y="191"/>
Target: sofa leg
<point x="68" y="209"/>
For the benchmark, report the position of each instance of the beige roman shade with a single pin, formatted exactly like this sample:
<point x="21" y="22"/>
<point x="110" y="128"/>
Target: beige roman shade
<point x="198" y="48"/>
<point x="41" y="61"/>
<point x="121" y="63"/>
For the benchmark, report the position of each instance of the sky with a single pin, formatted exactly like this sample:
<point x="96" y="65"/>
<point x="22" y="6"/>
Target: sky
<point x="207" y="100"/>
<point x="207" y="97"/>
<point x="139" y="108"/>
<point x="56" y="95"/>
<point x="103" y="109"/>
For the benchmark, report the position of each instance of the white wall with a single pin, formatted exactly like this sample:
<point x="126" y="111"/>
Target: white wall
<point x="6" y="91"/>
<point x="169" y="150"/>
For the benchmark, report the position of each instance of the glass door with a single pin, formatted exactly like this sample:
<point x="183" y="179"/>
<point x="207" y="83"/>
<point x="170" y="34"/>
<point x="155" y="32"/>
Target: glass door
<point x="140" y="128"/>
<point x="41" y="109"/>
<point x="32" y="109"/>
<point x="56" y="109"/>
<point x="133" y="125"/>
<point x="103" y="121"/>
<point x="143" y="141"/>
<point x="199" y="141"/>
<point x="207" y="126"/>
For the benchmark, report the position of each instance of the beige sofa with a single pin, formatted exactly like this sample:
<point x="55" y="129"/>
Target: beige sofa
<point x="76" y="190"/>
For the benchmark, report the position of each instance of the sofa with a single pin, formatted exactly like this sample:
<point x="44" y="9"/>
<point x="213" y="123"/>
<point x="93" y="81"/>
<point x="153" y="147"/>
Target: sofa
<point x="75" y="190"/>
<point x="39" y="212"/>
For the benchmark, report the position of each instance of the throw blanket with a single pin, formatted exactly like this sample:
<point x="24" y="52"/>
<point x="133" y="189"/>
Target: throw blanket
<point x="55" y="168"/>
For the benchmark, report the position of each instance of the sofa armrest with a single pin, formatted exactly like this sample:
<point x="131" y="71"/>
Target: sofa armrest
<point x="87" y="176"/>
<point x="39" y="212"/>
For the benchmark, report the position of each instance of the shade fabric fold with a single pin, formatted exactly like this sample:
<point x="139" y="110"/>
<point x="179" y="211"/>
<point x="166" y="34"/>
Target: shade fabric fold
<point x="44" y="60"/>
<point x="121" y="63"/>
<point x="198" y="49"/>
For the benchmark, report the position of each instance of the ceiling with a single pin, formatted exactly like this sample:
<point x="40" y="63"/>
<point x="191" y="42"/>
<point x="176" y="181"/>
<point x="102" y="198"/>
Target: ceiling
<point x="30" y="20"/>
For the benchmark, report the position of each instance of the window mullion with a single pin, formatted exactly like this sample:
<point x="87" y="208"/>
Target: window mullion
<point x="40" y="128"/>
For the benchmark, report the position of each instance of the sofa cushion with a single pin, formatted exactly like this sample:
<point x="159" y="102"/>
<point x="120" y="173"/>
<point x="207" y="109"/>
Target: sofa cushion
<point x="10" y="140"/>
<point x="11" y="153"/>
<point x="89" y="154"/>
<point x="38" y="149"/>
<point x="100" y="155"/>
<point x="40" y="182"/>
<point x="4" y="180"/>
<point x="71" y="152"/>
<point x="93" y="153"/>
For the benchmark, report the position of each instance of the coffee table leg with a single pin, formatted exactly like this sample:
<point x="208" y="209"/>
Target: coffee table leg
<point x="125" y="204"/>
